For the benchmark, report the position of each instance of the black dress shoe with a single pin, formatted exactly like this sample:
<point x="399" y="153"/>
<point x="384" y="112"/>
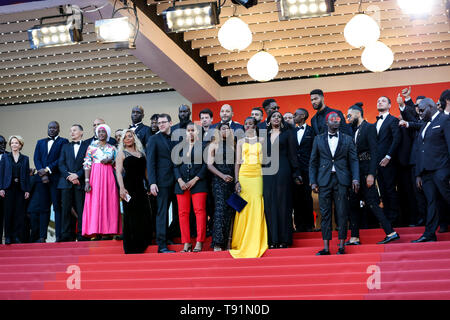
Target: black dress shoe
<point x="273" y="246"/>
<point x="283" y="246"/>
<point x="17" y="240"/>
<point x="389" y="239"/>
<point x="341" y="251"/>
<point x="8" y="241"/>
<point x="443" y="229"/>
<point x="424" y="239"/>
<point x="355" y="243"/>
<point x="323" y="253"/>
<point x="165" y="250"/>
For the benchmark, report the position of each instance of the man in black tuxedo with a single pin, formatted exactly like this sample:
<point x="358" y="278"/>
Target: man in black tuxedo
<point x="71" y="184"/>
<point x="444" y="101"/>
<point x="46" y="156"/>
<point x="206" y="120"/>
<point x="96" y="123"/>
<point x="142" y="131"/>
<point x="365" y="137"/>
<point x="269" y="106"/>
<point x="388" y="142"/>
<point x="2" y="153"/>
<point x="303" y="202"/>
<point x="333" y="169"/>
<point x="226" y="116"/>
<point x="433" y="163"/>
<point x="161" y="178"/>
<point x="184" y="115"/>
<point x="318" y="122"/>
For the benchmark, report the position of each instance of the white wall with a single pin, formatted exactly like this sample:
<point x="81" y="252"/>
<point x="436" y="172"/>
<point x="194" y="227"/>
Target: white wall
<point x="31" y="120"/>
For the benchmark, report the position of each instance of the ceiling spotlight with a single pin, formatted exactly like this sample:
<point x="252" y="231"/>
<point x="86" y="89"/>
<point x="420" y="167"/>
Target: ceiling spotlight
<point x="191" y="17"/>
<point x="65" y="32"/>
<point x="117" y="30"/>
<point x="246" y="3"/>
<point x="297" y="9"/>
<point x="416" y="8"/>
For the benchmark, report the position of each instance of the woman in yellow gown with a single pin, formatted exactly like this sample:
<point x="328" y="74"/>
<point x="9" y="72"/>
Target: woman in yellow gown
<point x="249" y="238"/>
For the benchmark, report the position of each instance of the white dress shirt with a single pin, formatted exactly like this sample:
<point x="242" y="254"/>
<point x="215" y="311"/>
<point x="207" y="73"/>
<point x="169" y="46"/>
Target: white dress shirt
<point x="301" y="132"/>
<point x="49" y="147"/>
<point x="428" y="124"/>
<point x="380" y="121"/>
<point x="333" y="143"/>
<point x="76" y="147"/>
<point x="134" y="126"/>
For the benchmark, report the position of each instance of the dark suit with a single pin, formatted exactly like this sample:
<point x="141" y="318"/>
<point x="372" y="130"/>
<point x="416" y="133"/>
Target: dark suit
<point x="302" y="200"/>
<point x="238" y="129"/>
<point x="71" y="195"/>
<point x="160" y="172"/>
<point x="333" y="185"/>
<point x="433" y="166"/>
<point x="143" y="132"/>
<point x="195" y="166"/>
<point x="319" y="124"/>
<point x="366" y="148"/>
<point x="388" y="142"/>
<point x="111" y="141"/>
<point x="1" y="208"/>
<point x="15" y="180"/>
<point x="47" y="193"/>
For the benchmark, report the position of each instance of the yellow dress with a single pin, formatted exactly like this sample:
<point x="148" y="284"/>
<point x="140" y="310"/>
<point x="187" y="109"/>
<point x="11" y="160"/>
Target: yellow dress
<point x="250" y="229"/>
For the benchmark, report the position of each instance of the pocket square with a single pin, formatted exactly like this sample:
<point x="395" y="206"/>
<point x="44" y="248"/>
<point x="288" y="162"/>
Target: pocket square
<point x="236" y="202"/>
<point x="436" y="127"/>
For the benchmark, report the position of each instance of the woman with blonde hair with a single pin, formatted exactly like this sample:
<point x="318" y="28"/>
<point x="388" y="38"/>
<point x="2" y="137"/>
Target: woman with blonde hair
<point x="130" y="172"/>
<point x="15" y="188"/>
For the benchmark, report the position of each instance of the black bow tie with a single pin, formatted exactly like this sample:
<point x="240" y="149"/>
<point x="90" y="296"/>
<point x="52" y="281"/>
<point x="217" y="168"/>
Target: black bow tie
<point x="379" y="118"/>
<point x="49" y="138"/>
<point x="77" y="142"/>
<point x="132" y="126"/>
<point x="301" y="128"/>
<point x="331" y="135"/>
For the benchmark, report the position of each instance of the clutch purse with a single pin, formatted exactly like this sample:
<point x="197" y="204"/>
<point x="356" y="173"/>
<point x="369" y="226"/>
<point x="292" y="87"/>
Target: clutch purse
<point x="236" y="202"/>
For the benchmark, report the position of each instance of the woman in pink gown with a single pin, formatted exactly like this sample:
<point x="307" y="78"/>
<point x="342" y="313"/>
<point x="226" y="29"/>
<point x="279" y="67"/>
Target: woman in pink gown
<point x="101" y="206"/>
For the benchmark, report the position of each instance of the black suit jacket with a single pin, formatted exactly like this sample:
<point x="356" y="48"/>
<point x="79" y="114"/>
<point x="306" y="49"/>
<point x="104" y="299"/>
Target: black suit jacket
<point x="345" y="161"/>
<point x="159" y="162"/>
<point x="433" y="151"/>
<point x="68" y="163"/>
<point x="6" y="172"/>
<point x="43" y="158"/>
<point x="234" y="126"/>
<point x="110" y="141"/>
<point x="319" y="124"/>
<point x="388" y="138"/>
<point x="143" y="132"/>
<point x="191" y="168"/>
<point x="366" y="147"/>
<point x="305" y="147"/>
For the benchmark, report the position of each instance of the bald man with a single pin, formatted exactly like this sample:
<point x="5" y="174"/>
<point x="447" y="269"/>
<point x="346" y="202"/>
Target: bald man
<point x="96" y="123"/>
<point x="226" y="116"/>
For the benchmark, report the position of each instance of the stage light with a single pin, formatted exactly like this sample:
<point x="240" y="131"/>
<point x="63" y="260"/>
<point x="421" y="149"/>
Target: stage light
<point x="246" y="3"/>
<point x="65" y="32"/>
<point x="416" y="7"/>
<point x="114" y="30"/>
<point x="377" y="57"/>
<point x="262" y="66"/>
<point x="191" y="17"/>
<point x="235" y="34"/>
<point x="361" y="31"/>
<point x="297" y="9"/>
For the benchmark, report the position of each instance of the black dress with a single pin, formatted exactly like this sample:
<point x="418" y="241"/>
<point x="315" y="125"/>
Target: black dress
<point x="137" y="229"/>
<point x="222" y="191"/>
<point x="277" y="188"/>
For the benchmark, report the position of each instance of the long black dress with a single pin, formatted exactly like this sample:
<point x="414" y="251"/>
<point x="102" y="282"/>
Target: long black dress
<point x="137" y="229"/>
<point x="277" y="188"/>
<point x="222" y="191"/>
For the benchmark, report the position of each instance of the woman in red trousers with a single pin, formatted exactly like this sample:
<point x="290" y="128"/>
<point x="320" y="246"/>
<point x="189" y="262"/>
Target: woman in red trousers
<point x="190" y="173"/>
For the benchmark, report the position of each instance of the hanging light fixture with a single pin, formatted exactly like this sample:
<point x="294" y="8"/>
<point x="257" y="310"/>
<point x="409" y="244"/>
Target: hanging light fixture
<point x="361" y="31"/>
<point x="235" y="34"/>
<point x="377" y="57"/>
<point x="262" y="66"/>
<point x="416" y="7"/>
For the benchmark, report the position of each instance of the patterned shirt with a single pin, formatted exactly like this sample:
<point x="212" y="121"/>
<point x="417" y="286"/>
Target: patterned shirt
<point x="96" y="153"/>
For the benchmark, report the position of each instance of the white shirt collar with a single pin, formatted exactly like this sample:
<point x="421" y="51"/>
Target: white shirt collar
<point x="434" y="116"/>
<point x="384" y="114"/>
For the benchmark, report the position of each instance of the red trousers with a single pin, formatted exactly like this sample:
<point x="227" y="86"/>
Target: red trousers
<point x="184" y="210"/>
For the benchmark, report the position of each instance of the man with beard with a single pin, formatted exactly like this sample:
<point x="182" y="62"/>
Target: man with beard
<point x="258" y="114"/>
<point x="2" y="153"/>
<point x="206" y="119"/>
<point x="96" y="123"/>
<point x="333" y="170"/>
<point x="433" y="163"/>
<point x="154" y="124"/>
<point x="318" y="122"/>
<point x="269" y="106"/>
<point x="365" y="138"/>
<point x="141" y="130"/>
<point x="226" y="116"/>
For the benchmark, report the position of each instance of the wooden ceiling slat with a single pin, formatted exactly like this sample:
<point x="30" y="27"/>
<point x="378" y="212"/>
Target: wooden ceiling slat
<point x="27" y="15"/>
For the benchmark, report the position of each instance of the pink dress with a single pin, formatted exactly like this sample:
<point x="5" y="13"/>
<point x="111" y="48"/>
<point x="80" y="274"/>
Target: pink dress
<point x="101" y="205"/>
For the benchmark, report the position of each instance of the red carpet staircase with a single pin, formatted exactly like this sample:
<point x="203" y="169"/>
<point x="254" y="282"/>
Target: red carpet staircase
<point x="403" y="270"/>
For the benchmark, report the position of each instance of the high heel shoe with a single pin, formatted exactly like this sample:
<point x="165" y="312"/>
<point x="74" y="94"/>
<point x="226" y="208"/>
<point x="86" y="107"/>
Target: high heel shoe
<point x="188" y="248"/>
<point x="198" y="247"/>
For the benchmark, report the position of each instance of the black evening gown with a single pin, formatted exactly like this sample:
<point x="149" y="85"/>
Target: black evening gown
<point x="221" y="192"/>
<point x="277" y="189"/>
<point x="137" y="230"/>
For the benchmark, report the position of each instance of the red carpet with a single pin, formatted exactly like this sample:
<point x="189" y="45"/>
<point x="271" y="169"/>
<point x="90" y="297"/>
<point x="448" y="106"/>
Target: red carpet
<point x="405" y="271"/>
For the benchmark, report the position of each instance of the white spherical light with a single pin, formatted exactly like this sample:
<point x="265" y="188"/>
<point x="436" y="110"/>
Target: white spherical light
<point x="361" y="31"/>
<point x="262" y="66"/>
<point x="235" y="34"/>
<point x="377" y="57"/>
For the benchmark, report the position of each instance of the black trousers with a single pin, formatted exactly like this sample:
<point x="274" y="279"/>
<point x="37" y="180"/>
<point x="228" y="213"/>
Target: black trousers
<point x="420" y="199"/>
<point x="163" y="232"/>
<point x="386" y="181"/>
<point x="435" y="183"/>
<point x="339" y="194"/>
<point x="2" y="218"/>
<point x="72" y="197"/>
<point x="47" y="194"/>
<point x="303" y="204"/>
<point x="372" y="202"/>
<point x="14" y="211"/>
<point x="408" y="204"/>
